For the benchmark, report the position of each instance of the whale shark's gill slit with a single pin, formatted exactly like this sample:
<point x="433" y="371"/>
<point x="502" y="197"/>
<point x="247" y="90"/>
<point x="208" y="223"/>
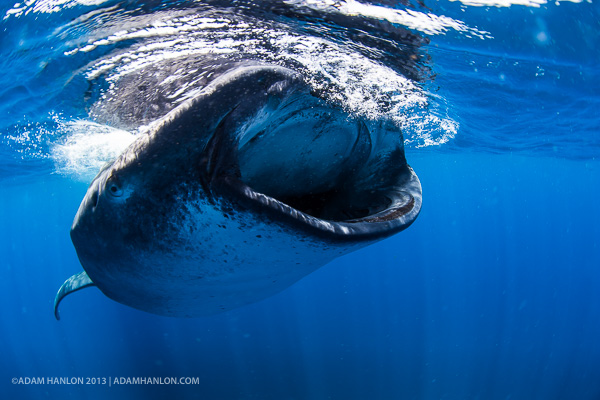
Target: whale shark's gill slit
<point x="94" y="199"/>
<point x="219" y="158"/>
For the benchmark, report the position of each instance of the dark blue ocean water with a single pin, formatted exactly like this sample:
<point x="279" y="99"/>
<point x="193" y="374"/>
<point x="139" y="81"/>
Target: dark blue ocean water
<point x="493" y="293"/>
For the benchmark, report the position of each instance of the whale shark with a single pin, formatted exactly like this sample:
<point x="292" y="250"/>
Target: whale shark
<point x="236" y="194"/>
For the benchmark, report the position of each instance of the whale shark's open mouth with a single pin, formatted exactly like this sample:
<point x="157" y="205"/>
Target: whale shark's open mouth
<point x="305" y="159"/>
<point x="310" y="159"/>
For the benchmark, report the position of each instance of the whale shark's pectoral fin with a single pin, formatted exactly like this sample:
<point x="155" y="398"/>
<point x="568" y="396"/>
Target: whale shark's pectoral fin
<point x="73" y="284"/>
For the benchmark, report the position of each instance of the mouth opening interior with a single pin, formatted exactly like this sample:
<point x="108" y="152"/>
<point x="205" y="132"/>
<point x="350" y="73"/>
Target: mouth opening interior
<point x="321" y="162"/>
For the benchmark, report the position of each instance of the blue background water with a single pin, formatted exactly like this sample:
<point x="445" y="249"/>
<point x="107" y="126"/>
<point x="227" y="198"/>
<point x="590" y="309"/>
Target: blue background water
<point x="493" y="293"/>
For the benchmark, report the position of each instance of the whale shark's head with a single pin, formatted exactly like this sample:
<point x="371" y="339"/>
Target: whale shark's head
<point x="256" y="151"/>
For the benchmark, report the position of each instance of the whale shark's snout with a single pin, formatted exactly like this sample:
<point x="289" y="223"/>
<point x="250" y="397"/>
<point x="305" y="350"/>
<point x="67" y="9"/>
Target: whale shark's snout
<point x="236" y="194"/>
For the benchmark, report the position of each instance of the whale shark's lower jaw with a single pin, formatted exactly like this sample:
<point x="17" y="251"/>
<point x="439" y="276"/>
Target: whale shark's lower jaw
<point x="403" y="208"/>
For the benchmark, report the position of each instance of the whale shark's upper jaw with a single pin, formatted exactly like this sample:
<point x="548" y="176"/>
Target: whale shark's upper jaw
<point x="300" y="159"/>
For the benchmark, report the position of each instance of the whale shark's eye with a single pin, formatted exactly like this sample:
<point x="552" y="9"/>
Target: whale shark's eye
<point x="113" y="188"/>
